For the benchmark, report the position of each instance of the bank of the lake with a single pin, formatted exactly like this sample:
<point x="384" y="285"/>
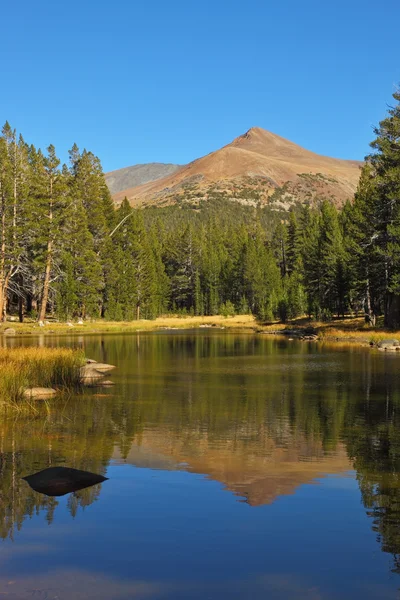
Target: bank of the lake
<point x="349" y="330"/>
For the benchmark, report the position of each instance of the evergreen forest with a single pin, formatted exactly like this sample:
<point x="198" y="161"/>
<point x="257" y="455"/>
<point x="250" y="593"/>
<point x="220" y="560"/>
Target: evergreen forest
<point x="66" y="252"/>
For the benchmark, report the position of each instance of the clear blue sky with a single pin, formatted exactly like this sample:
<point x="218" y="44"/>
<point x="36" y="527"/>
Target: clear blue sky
<point x="139" y="81"/>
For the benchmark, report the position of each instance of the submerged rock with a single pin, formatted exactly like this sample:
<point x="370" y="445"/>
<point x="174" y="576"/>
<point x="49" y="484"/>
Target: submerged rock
<point x="39" y="393"/>
<point x="58" y="481"/>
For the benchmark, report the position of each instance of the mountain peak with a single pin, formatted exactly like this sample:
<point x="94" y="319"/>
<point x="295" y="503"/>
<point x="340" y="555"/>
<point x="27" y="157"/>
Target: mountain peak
<point x="255" y="131"/>
<point x="257" y="159"/>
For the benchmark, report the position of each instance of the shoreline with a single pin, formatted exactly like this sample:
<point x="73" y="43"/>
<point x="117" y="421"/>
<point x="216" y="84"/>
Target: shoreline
<point x="349" y="330"/>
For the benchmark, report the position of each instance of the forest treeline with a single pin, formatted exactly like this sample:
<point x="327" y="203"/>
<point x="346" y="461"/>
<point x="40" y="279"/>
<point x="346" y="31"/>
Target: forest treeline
<point x="66" y="251"/>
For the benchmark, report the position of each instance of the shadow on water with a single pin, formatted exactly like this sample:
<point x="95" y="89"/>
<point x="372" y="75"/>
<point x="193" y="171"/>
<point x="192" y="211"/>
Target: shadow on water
<point x="261" y="416"/>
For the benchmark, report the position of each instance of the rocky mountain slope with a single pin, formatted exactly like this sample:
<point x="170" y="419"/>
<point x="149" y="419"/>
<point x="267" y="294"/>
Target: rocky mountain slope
<point x="130" y="177"/>
<point x="258" y="167"/>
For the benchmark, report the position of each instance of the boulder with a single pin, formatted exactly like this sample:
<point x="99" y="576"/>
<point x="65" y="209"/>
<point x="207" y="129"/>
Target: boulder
<point x="90" y="375"/>
<point x="10" y="331"/>
<point x="39" y="393"/>
<point x="106" y="383"/>
<point x="58" y="481"/>
<point x="310" y="331"/>
<point x="90" y="361"/>
<point x="389" y="344"/>
<point x="102" y="367"/>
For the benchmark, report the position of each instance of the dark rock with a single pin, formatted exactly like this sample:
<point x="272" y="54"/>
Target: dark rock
<point x="58" y="481"/>
<point x="310" y="331"/>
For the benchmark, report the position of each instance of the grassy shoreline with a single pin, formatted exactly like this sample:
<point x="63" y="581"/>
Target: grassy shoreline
<point x="239" y="322"/>
<point x="23" y="368"/>
<point x="347" y="330"/>
<point x="27" y="367"/>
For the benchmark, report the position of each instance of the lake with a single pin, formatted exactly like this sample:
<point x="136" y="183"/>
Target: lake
<point x="239" y="466"/>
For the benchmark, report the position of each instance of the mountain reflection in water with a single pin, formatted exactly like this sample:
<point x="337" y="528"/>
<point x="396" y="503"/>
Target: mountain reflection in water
<point x="260" y="416"/>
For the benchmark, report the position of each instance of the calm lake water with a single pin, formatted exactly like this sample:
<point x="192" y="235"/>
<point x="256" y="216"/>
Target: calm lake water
<point x="239" y="466"/>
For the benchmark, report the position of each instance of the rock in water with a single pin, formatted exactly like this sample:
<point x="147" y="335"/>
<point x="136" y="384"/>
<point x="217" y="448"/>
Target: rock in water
<point x="58" y="481"/>
<point x="39" y="393"/>
<point x="106" y="383"/>
<point x="89" y="375"/>
<point x="389" y="344"/>
<point x="102" y="367"/>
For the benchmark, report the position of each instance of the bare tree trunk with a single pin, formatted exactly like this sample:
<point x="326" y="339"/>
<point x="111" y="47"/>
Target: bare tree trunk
<point x="1" y="301"/>
<point x="3" y="289"/>
<point x="21" y="309"/>
<point x="46" y="283"/>
<point x="370" y="317"/>
<point x="49" y="261"/>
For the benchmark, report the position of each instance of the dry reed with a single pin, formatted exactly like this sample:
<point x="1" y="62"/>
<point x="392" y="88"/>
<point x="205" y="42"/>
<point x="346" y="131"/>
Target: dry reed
<point x="21" y="368"/>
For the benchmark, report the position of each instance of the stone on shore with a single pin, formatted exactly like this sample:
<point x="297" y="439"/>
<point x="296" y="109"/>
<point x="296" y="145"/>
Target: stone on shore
<point x="391" y="345"/>
<point x="10" y="331"/>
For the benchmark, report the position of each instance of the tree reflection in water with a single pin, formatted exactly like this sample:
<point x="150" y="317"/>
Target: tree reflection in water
<point x="262" y="416"/>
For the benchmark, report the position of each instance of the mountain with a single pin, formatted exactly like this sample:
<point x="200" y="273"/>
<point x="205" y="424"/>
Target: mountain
<point x="257" y="167"/>
<point x="130" y="177"/>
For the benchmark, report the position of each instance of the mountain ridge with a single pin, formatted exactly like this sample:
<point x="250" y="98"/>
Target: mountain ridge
<point x="127" y="177"/>
<point x="255" y="167"/>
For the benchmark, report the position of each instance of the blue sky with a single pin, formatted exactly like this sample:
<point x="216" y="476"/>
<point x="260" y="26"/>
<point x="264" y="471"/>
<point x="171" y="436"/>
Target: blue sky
<point x="169" y="81"/>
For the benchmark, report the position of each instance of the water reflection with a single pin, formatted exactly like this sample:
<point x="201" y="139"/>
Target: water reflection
<point x="260" y="416"/>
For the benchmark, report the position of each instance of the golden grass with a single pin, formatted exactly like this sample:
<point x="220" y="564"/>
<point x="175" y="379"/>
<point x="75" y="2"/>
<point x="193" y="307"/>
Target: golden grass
<point x="246" y="322"/>
<point x="21" y="368"/>
<point x="348" y="330"/>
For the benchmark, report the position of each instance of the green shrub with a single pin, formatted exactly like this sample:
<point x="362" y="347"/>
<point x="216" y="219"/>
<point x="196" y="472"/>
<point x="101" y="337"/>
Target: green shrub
<point x="227" y="309"/>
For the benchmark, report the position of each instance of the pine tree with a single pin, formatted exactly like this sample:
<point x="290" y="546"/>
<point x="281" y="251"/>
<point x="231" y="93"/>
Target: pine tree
<point x="51" y="195"/>
<point x="14" y="177"/>
<point x="6" y="258"/>
<point x="80" y="282"/>
<point x="383" y="166"/>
